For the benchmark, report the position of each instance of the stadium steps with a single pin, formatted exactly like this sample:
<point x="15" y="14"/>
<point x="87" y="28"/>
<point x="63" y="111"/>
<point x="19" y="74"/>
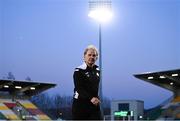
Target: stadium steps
<point x="176" y="113"/>
<point x="33" y="110"/>
<point x="171" y="110"/>
<point x="20" y="109"/>
<point x="2" y="117"/>
<point x="6" y="111"/>
<point x="176" y="99"/>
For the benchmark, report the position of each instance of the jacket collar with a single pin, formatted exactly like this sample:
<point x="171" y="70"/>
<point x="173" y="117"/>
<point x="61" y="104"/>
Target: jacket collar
<point x="84" y="66"/>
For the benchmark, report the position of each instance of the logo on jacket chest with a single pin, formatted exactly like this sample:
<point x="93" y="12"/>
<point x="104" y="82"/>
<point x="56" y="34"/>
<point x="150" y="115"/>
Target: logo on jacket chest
<point x="88" y="74"/>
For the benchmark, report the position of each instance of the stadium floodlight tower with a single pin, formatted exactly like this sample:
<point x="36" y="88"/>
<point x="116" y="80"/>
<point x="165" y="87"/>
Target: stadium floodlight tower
<point x="101" y="11"/>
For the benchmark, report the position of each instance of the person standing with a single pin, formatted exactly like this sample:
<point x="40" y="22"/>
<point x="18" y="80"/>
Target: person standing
<point x="86" y="103"/>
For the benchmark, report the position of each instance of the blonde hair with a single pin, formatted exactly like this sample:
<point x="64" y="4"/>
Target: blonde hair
<point x="89" y="47"/>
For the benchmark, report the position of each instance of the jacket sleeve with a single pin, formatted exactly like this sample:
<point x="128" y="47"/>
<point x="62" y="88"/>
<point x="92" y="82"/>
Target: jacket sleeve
<point x="79" y="85"/>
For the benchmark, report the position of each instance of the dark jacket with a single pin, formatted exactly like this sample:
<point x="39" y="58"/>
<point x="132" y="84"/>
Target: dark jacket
<point x="86" y="82"/>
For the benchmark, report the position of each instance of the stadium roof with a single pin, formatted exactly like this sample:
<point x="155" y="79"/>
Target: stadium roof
<point x="28" y="88"/>
<point x="166" y="79"/>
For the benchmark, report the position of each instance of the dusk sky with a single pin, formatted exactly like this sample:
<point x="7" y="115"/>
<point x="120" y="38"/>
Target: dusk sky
<point x="45" y="40"/>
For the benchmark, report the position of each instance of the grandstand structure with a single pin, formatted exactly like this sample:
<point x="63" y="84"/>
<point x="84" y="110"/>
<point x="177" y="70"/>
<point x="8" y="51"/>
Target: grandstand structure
<point x="169" y="80"/>
<point x="15" y="103"/>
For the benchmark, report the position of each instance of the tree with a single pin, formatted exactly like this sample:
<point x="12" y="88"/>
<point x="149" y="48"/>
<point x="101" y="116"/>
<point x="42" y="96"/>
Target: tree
<point x="28" y="78"/>
<point x="10" y="76"/>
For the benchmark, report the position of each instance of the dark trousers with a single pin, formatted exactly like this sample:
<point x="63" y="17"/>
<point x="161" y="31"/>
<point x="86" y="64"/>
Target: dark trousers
<point x="85" y="110"/>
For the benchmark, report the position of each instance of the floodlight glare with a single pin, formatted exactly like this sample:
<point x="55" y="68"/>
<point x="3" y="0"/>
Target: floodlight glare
<point x="100" y="10"/>
<point x="101" y="15"/>
<point x="162" y="77"/>
<point x="6" y="86"/>
<point x="150" y="77"/>
<point x="18" y="87"/>
<point x="174" y="74"/>
<point x="32" y="88"/>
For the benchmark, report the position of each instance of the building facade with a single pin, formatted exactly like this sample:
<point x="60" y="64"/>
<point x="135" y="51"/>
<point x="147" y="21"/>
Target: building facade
<point x="127" y="109"/>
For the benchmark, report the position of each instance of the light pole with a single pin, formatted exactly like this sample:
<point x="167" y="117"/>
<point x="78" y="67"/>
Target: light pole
<point x="100" y="68"/>
<point x="101" y="11"/>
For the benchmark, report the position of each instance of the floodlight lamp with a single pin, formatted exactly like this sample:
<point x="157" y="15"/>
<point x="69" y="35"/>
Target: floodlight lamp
<point x="174" y="74"/>
<point x="6" y="86"/>
<point x="32" y="88"/>
<point x="150" y="77"/>
<point x="18" y="87"/>
<point x="100" y="10"/>
<point x="101" y="15"/>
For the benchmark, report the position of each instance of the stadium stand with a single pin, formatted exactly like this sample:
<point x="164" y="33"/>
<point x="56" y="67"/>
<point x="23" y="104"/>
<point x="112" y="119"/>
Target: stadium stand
<point x="176" y="99"/>
<point x="169" y="80"/>
<point x="15" y="103"/>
